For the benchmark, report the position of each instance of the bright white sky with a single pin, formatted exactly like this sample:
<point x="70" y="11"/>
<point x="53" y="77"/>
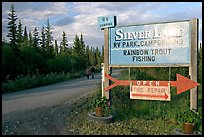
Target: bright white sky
<point x="81" y="17"/>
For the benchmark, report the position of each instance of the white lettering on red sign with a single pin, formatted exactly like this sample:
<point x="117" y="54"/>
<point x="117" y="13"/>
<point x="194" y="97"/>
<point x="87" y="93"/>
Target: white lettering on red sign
<point x="147" y="83"/>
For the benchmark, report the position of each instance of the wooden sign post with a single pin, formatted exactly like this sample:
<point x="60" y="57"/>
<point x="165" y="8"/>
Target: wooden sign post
<point x="106" y="61"/>
<point x="104" y="23"/>
<point x="193" y="66"/>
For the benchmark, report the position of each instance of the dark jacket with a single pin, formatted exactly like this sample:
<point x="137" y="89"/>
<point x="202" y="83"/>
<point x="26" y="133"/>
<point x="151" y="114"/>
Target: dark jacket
<point x="93" y="69"/>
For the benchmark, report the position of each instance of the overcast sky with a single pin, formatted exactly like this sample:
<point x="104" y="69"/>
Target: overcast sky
<point x="81" y="17"/>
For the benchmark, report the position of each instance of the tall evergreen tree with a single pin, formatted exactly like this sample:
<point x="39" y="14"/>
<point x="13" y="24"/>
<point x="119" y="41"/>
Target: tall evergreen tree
<point x="82" y="41"/>
<point x="64" y="43"/>
<point x="82" y="45"/>
<point x="15" y="62"/>
<point x="35" y="37"/>
<point x="56" y="48"/>
<point x="92" y="58"/>
<point x="97" y="56"/>
<point x="83" y="52"/>
<point x="77" y="46"/>
<point x="79" y="53"/>
<point x="12" y="28"/>
<point x="19" y="33"/>
<point x="48" y="41"/>
<point x="42" y="40"/>
<point x="87" y="55"/>
<point x="30" y="41"/>
<point x="25" y="37"/>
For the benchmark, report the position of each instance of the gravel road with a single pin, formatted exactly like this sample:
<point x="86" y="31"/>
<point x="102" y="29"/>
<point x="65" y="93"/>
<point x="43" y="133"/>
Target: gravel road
<point x="44" y="110"/>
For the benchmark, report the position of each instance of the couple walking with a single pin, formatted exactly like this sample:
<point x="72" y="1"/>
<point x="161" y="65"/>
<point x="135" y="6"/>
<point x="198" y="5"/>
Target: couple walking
<point x="90" y="71"/>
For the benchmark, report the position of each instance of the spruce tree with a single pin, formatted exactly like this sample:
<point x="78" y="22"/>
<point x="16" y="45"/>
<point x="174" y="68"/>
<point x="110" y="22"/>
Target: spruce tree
<point x="19" y="33"/>
<point x="35" y="37"/>
<point x="82" y="42"/>
<point x="25" y="37"/>
<point x="82" y="45"/>
<point x="15" y="61"/>
<point x="83" y="52"/>
<point x="30" y="41"/>
<point x="77" y="46"/>
<point x="79" y="54"/>
<point x="87" y="55"/>
<point x="12" y="28"/>
<point x="64" y="43"/>
<point x="48" y="41"/>
<point x="92" y="59"/>
<point x="56" y="48"/>
<point x="97" y="56"/>
<point x="42" y="40"/>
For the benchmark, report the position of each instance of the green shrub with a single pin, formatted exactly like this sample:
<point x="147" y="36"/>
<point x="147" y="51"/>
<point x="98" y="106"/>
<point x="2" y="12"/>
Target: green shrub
<point x="191" y="117"/>
<point x="187" y="116"/>
<point x="27" y="82"/>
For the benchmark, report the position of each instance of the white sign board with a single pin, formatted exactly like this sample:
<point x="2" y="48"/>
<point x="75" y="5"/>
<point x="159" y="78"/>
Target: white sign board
<point x="162" y="44"/>
<point x="150" y="92"/>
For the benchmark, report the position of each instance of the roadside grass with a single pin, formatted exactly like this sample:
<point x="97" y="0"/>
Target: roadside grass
<point x="138" y="117"/>
<point x="36" y="80"/>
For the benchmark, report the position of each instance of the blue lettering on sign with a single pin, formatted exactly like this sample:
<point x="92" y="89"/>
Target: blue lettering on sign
<point x="150" y="45"/>
<point x="106" y="21"/>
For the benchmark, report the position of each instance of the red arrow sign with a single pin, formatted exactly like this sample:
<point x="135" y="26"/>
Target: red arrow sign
<point x="182" y="83"/>
<point x="165" y="96"/>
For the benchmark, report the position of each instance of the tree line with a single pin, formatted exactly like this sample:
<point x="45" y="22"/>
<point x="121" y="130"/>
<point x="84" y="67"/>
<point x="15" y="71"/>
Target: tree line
<point x="37" y="52"/>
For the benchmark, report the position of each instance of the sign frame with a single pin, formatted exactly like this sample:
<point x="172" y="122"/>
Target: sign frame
<point x="153" y="65"/>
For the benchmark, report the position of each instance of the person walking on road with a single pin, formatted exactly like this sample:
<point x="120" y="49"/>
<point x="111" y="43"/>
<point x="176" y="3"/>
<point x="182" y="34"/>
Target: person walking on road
<point x="92" y="72"/>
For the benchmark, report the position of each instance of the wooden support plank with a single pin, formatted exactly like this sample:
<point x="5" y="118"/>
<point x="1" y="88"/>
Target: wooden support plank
<point x="193" y="66"/>
<point x="106" y="61"/>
